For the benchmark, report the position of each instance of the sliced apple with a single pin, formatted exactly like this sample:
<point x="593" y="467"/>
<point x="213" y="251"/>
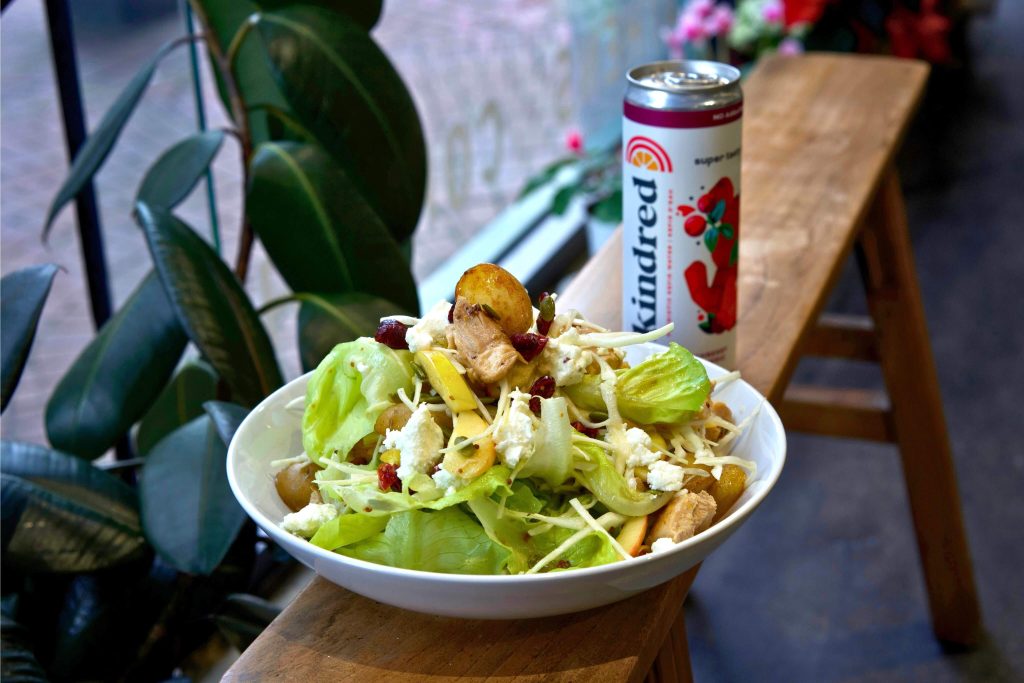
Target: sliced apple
<point x="446" y="380"/>
<point x="631" y="536"/>
<point x="476" y="458"/>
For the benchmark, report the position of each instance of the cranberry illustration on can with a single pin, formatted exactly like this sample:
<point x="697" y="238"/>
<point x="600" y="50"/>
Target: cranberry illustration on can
<point x="682" y="130"/>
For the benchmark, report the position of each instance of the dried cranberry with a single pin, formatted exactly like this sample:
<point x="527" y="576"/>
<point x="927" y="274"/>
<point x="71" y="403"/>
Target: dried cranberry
<point x="584" y="430"/>
<point x="529" y="345"/>
<point x="563" y="564"/>
<point x="451" y="314"/>
<point x="392" y="333"/>
<point x="544" y="387"/>
<point x="535" y="404"/>
<point x="387" y="477"/>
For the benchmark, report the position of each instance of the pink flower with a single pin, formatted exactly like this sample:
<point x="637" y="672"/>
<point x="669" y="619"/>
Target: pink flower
<point x="699" y="8"/>
<point x="674" y="40"/>
<point x="574" y="141"/>
<point x="772" y="12"/>
<point x="691" y="28"/>
<point x="791" y="46"/>
<point x="720" y="21"/>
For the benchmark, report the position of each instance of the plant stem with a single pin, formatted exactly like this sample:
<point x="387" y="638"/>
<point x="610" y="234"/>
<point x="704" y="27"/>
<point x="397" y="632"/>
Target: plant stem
<point x="222" y="62"/>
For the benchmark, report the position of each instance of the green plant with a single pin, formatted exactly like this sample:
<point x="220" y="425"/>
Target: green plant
<point x="597" y="179"/>
<point x="118" y="571"/>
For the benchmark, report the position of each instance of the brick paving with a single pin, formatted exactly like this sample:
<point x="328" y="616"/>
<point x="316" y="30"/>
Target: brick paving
<point x="481" y="75"/>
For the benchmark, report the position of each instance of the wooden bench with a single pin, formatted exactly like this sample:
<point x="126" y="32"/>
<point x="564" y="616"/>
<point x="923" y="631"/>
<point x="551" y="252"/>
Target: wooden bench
<point x="819" y="138"/>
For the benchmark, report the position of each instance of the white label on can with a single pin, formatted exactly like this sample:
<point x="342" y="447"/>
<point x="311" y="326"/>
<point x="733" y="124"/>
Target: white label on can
<point x="680" y="239"/>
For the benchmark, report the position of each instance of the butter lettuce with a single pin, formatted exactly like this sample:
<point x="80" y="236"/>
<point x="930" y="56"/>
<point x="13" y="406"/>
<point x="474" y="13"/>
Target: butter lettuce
<point x="348" y="529"/>
<point x="512" y="533"/>
<point x="448" y="541"/>
<point x="348" y="391"/>
<point x="369" y="500"/>
<point x="667" y="387"/>
<point x="608" y="486"/>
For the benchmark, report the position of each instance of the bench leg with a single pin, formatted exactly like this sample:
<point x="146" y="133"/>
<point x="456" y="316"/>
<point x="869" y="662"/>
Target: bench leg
<point x="894" y="299"/>
<point x="672" y="665"/>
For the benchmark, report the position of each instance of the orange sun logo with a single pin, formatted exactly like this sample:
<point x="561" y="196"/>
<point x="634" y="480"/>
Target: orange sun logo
<point x="646" y="153"/>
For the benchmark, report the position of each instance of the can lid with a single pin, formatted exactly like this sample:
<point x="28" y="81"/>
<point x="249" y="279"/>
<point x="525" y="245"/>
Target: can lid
<point x="684" y="76"/>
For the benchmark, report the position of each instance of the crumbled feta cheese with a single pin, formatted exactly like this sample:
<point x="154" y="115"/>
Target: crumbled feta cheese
<point x="662" y="544"/>
<point x="447" y="481"/>
<point x="664" y="476"/>
<point x="513" y="436"/>
<point x="306" y="521"/>
<point x="419" y="443"/>
<point x="640" y="445"/>
<point x="565" y="360"/>
<point x="429" y="329"/>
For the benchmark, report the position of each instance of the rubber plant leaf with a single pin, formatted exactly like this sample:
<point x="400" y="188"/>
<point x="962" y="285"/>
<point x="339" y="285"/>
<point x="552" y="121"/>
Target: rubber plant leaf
<point x="188" y="512"/>
<point x="346" y="93"/>
<point x="22" y="295"/>
<point x="345" y="247"/>
<point x="212" y="307"/>
<point x="61" y="514"/>
<point x="97" y="146"/>
<point x="118" y="376"/>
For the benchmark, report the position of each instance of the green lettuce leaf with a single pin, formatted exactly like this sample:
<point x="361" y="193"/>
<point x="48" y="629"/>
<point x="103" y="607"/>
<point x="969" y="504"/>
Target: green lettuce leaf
<point x="348" y="529"/>
<point x="370" y="500"/>
<point x="552" y="459"/>
<point x="668" y="387"/>
<point x="448" y="541"/>
<point x="610" y="487"/>
<point x="512" y="532"/>
<point x="342" y="403"/>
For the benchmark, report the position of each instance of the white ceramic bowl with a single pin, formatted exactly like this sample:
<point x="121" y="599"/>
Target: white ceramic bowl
<point x="271" y="432"/>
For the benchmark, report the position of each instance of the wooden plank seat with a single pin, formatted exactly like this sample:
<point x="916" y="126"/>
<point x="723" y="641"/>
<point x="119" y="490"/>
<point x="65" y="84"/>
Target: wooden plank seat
<point x="819" y="138"/>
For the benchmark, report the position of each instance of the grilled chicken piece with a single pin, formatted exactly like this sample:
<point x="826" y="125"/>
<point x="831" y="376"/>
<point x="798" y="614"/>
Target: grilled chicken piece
<point x="686" y="515"/>
<point x="489" y="353"/>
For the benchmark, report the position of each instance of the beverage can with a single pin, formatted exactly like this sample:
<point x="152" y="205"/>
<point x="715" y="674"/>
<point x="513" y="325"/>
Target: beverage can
<point x="681" y="140"/>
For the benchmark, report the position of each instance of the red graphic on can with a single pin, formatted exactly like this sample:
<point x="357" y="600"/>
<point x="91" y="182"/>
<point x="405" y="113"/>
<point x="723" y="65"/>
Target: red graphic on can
<point x="644" y="152"/>
<point x="717" y="218"/>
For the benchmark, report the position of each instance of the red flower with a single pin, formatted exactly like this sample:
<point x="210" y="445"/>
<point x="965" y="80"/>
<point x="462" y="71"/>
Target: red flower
<point x="919" y="35"/>
<point x="803" y="11"/>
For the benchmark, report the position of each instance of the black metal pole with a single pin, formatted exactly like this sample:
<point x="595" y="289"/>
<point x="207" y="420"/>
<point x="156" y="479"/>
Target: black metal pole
<point x="62" y="47"/>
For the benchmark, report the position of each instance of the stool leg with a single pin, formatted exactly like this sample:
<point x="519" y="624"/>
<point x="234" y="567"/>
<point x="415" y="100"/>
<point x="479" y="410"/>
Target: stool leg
<point x="887" y="267"/>
<point x="672" y="664"/>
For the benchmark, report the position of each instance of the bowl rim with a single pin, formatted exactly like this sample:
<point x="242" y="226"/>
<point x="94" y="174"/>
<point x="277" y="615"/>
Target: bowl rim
<point x="273" y="529"/>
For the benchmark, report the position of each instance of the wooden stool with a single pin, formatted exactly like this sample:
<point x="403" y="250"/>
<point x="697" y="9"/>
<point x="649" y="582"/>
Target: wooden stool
<point x="820" y="133"/>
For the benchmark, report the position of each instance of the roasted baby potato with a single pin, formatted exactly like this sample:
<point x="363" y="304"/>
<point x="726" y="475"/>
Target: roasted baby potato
<point x="728" y="488"/>
<point x="394" y="417"/>
<point x="295" y="484"/>
<point x="496" y="289"/>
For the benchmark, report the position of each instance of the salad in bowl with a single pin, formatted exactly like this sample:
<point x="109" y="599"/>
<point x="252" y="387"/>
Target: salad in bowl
<point x="491" y="437"/>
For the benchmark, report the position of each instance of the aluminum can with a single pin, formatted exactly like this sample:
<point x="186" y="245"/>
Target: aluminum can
<point x="681" y="140"/>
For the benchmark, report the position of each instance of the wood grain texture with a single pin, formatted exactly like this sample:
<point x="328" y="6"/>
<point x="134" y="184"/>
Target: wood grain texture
<point x="819" y="131"/>
<point x="837" y="335"/>
<point x="849" y="413"/>
<point x="894" y="299"/>
<point x="331" y="634"/>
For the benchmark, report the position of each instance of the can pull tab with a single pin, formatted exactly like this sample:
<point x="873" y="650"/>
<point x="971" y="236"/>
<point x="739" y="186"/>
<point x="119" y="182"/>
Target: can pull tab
<point x="688" y="79"/>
